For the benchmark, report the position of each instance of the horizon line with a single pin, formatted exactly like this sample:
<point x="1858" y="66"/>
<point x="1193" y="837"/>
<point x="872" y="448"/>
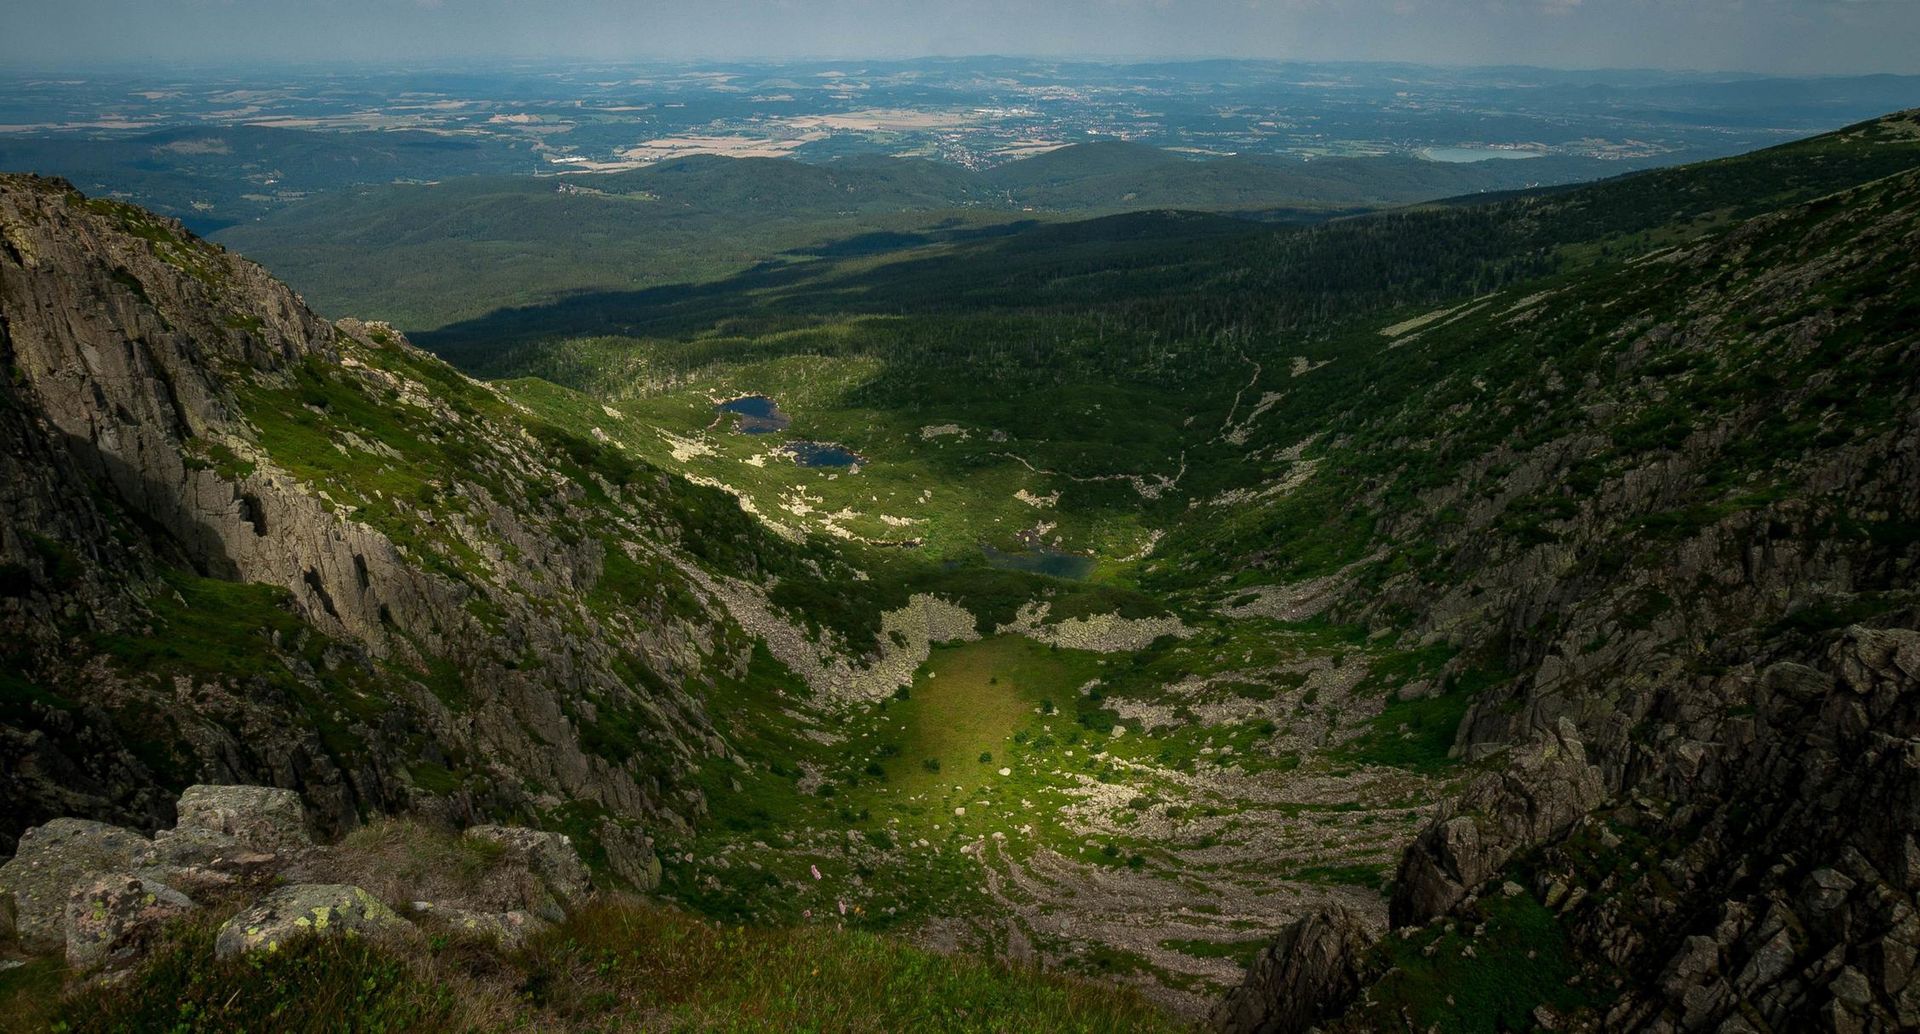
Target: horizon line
<point x="510" y="61"/>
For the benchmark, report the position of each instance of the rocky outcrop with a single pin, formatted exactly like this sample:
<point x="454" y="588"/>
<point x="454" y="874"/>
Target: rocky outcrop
<point x="1308" y="974"/>
<point x="173" y="424"/>
<point x="555" y="880"/>
<point x="102" y="894"/>
<point x="1538" y="796"/>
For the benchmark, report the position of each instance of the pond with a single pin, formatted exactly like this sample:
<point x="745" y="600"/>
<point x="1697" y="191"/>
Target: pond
<point x="821" y="454"/>
<point x="755" y="414"/>
<point x="1054" y="563"/>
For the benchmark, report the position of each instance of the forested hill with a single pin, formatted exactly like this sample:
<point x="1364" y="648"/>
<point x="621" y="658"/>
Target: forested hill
<point x="423" y="255"/>
<point x="1187" y="278"/>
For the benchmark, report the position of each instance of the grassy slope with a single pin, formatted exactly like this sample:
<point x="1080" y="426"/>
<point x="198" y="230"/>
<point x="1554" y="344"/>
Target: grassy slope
<point x="1101" y="382"/>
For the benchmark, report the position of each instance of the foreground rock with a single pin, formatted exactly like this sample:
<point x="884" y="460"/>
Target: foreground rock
<point x="102" y="894"/>
<point x="51" y="859"/>
<point x="325" y="909"/>
<point x="1307" y="974"/>
<point x="109" y="920"/>
<point x="554" y="881"/>
<point x="265" y="818"/>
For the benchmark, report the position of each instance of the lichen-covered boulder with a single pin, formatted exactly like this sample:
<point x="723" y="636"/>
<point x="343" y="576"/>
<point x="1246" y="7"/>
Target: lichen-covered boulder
<point x="50" y="860"/>
<point x="510" y="929"/>
<point x="265" y="818"/>
<point x="320" y="908"/>
<point x="109" y="920"/>
<point x="557" y="880"/>
<point x="199" y="860"/>
<point x="193" y="845"/>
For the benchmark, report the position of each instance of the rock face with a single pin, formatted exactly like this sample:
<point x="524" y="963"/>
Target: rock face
<point x="187" y="451"/>
<point x="1306" y="975"/>
<point x="323" y="909"/>
<point x="1702" y="764"/>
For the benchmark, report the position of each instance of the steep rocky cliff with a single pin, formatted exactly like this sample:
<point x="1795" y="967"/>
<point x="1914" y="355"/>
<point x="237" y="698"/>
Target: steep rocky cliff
<point x="1678" y="505"/>
<point x="245" y="544"/>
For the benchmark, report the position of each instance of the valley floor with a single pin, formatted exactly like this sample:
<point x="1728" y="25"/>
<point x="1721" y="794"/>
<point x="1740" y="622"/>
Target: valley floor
<point x="1110" y="783"/>
<point x="1095" y="812"/>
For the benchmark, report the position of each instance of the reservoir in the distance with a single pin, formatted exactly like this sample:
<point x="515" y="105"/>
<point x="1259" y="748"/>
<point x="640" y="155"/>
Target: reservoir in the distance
<point x="1458" y="155"/>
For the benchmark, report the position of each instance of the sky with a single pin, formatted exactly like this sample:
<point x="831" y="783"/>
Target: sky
<point x="1768" y="36"/>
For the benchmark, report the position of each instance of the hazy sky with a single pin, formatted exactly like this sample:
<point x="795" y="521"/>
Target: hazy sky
<point x="1752" y="35"/>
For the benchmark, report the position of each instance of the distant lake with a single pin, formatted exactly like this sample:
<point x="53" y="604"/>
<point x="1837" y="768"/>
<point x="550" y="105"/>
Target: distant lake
<point x="821" y="454"/>
<point x="755" y="414"/>
<point x="1055" y="563"/>
<point x="1458" y="155"/>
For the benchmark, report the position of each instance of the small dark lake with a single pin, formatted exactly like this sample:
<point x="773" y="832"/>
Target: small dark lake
<point x="1055" y="563"/>
<point x="820" y="454"/>
<point x="755" y="414"/>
